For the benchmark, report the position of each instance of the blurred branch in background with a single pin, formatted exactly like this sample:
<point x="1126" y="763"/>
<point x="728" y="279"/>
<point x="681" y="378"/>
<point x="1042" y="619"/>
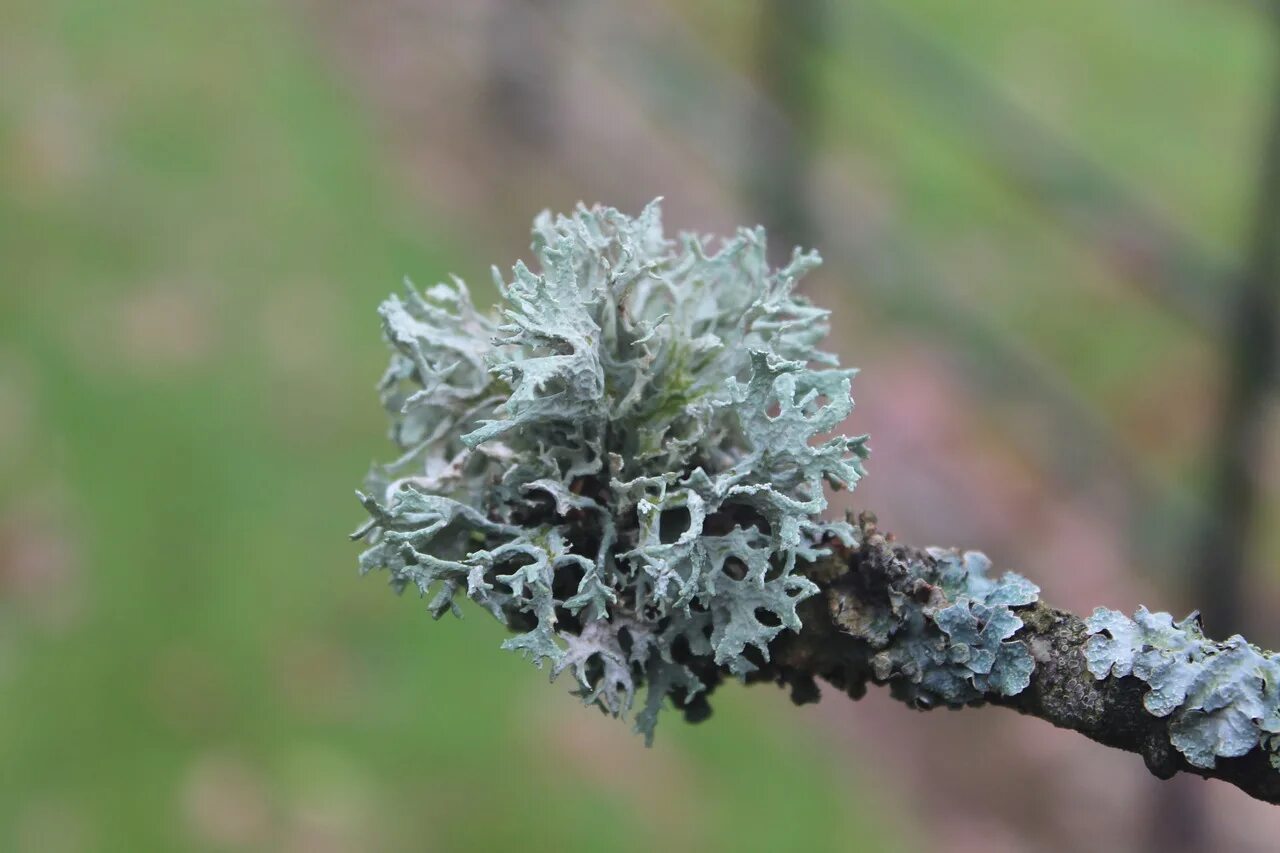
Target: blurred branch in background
<point x="1218" y="561"/>
<point x="1088" y="202"/>
<point x="523" y="86"/>
<point x="778" y="167"/>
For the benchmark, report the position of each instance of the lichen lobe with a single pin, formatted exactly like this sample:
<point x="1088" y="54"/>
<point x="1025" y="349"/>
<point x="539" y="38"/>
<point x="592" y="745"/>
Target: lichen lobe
<point x="1221" y="699"/>
<point x="938" y="629"/>
<point x="625" y="464"/>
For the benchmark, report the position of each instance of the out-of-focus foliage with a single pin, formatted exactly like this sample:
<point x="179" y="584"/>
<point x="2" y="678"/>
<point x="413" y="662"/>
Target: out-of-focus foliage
<point x="622" y="471"/>
<point x="1224" y="697"/>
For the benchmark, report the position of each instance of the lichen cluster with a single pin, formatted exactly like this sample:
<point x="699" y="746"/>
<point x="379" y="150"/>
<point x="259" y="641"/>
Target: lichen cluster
<point x="939" y="629"/>
<point x="626" y="464"/>
<point x="1222" y="698"/>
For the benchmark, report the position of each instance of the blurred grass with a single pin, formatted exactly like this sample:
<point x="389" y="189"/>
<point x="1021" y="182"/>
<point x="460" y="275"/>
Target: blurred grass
<point x="1145" y="91"/>
<point x="194" y="231"/>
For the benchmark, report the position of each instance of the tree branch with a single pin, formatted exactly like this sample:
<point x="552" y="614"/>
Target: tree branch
<point x="836" y="646"/>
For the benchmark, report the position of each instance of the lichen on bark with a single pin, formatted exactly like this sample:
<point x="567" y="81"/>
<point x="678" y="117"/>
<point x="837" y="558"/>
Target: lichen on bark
<point x="626" y="465"/>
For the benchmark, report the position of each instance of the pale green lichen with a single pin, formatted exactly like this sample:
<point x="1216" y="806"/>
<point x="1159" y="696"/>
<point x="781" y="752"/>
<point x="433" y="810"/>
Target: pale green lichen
<point x="624" y="466"/>
<point x="1222" y="698"/>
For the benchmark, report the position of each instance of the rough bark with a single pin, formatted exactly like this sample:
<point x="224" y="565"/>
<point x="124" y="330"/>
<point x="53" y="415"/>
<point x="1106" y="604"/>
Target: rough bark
<point x="1062" y="690"/>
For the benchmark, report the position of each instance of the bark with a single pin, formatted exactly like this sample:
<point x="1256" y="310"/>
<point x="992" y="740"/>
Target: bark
<point x="1062" y="690"/>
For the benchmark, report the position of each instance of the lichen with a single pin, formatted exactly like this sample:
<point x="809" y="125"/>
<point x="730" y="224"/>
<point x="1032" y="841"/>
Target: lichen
<point x="1222" y="698"/>
<point x="942" y="631"/>
<point x="625" y="464"/>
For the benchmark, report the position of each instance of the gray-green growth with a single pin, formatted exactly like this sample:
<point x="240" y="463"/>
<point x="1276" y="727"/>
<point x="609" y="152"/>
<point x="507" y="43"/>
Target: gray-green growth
<point x="940" y="631"/>
<point x="1222" y="698"/>
<point x="967" y="653"/>
<point x="624" y="464"/>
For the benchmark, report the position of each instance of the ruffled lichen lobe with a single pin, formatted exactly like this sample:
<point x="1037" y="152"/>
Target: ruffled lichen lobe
<point x="1221" y="698"/>
<point x="626" y="463"/>
<point x="937" y="629"/>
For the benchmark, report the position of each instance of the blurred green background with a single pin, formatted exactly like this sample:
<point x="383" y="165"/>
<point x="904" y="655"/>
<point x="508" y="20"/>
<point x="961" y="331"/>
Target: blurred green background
<point x="1031" y="212"/>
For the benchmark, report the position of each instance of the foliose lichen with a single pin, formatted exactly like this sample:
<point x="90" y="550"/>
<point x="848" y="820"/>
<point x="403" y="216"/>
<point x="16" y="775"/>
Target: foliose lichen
<point x="624" y="465"/>
<point x="1222" y="698"/>
<point x="942" y="631"/>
